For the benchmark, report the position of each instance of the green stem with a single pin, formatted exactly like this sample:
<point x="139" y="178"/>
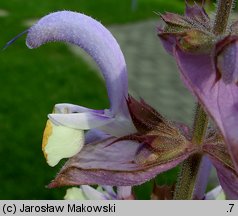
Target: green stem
<point x="187" y="178"/>
<point x="224" y="8"/>
<point x="199" y="125"/>
<point x="190" y="167"/>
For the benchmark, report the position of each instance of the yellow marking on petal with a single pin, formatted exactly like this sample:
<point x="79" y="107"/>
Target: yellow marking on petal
<point x="61" y="142"/>
<point x="47" y="133"/>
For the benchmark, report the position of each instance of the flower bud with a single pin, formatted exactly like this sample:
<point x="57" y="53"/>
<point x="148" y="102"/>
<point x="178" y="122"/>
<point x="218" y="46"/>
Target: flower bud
<point x="196" y="41"/>
<point x="191" y="32"/>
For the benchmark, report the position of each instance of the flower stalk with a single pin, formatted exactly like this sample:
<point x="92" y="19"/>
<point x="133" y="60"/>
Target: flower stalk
<point x="190" y="168"/>
<point x="200" y="125"/>
<point x="224" y="8"/>
<point x="187" y="178"/>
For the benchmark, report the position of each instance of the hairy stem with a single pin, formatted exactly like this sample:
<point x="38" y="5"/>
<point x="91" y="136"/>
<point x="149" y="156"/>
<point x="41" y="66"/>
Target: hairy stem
<point x="224" y="8"/>
<point x="199" y="125"/>
<point x="187" y="179"/>
<point x="190" y="168"/>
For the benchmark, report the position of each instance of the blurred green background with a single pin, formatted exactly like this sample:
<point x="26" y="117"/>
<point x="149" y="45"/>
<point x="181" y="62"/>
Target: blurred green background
<point x="32" y="81"/>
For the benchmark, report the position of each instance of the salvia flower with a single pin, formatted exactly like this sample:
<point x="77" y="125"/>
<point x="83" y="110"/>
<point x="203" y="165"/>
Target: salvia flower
<point x="132" y="159"/>
<point x="107" y="158"/>
<point x="215" y="194"/>
<point x="86" y="192"/>
<point x="98" y="42"/>
<point x="130" y="143"/>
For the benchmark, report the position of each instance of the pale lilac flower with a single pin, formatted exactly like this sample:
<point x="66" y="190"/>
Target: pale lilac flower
<point x="85" y="192"/>
<point x="215" y="194"/>
<point x="105" y="159"/>
<point x="98" y="42"/>
<point x="130" y="143"/>
<point x="129" y="160"/>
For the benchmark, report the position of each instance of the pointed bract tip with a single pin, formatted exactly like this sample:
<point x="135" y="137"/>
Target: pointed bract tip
<point x="57" y="182"/>
<point x="53" y="184"/>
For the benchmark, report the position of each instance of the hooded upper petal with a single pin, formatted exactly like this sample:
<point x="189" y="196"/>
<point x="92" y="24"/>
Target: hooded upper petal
<point x="95" y="39"/>
<point x="99" y="43"/>
<point x="218" y="99"/>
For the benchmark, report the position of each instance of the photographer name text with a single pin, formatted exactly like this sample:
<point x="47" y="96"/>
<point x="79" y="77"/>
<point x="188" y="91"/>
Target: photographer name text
<point x="70" y="208"/>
